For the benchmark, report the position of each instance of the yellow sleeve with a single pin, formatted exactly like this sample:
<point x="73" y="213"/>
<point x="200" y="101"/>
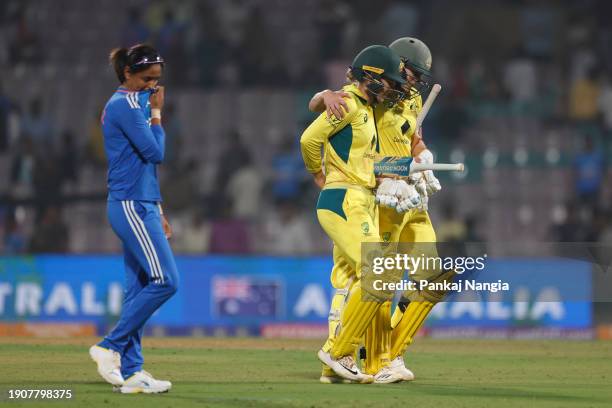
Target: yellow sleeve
<point x="410" y="113"/>
<point x="321" y="129"/>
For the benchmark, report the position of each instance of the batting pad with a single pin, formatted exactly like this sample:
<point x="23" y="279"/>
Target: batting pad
<point x="356" y="317"/>
<point x="377" y="340"/>
<point x="411" y="321"/>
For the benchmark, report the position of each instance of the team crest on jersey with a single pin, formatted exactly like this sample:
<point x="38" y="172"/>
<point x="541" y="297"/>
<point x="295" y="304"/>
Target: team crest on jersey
<point x="365" y="228"/>
<point x="386" y="236"/>
<point x="332" y="120"/>
<point x="365" y="118"/>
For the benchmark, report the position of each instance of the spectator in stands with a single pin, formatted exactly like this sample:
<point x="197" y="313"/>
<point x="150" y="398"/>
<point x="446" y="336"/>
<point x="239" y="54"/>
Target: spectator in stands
<point x="195" y="238"/>
<point x="95" y="143"/>
<point x="170" y="41"/>
<point x="399" y="18"/>
<point x="69" y="158"/>
<point x="244" y="190"/>
<point x="22" y="166"/>
<point x="37" y="124"/>
<point x="476" y="243"/>
<point x="287" y="231"/>
<point x="452" y="228"/>
<point x="209" y="51"/>
<point x="521" y="81"/>
<point x="259" y="66"/>
<point x="230" y="160"/>
<point x="51" y="233"/>
<point x="589" y="172"/>
<point x="571" y="229"/>
<point x="180" y="187"/>
<point x="25" y="46"/>
<point x="605" y="103"/>
<point x="288" y="172"/>
<point x="583" y="98"/>
<point x="46" y="180"/>
<point x="6" y="110"/>
<point x="537" y="20"/>
<point x="135" y="30"/>
<point x="14" y="237"/>
<point x="229" y="235"/>
<point x="330" y="21"/>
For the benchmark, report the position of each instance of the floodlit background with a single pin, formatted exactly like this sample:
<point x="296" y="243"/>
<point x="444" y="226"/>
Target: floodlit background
<point x="526" y="103"/>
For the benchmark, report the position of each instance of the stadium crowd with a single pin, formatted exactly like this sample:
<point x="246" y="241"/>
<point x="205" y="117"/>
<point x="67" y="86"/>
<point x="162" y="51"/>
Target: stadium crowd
<point x="547" y="72"/>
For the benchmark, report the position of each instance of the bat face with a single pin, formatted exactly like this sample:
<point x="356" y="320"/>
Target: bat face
<point x="393" y="166"/>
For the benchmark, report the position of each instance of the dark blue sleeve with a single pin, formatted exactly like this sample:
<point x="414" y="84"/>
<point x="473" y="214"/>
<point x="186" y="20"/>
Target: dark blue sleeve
<point x="148" y="140"/>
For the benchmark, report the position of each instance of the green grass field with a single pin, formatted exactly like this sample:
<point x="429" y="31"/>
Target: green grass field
<point x="284" y="373"/>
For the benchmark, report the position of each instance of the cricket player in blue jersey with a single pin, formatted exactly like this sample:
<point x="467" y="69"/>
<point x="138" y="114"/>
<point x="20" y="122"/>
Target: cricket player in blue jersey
<point x="134" y="141"/>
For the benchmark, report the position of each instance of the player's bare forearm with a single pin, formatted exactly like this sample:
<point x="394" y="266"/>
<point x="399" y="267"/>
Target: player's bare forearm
<point x="319" y="179"/>
<point x="316" y="104"/>
<point x="418" y="146"/>
<point x="332" y="102"/>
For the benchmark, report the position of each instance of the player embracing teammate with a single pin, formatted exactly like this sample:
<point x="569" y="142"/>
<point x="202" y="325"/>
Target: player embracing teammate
<point x="401" y="218"/>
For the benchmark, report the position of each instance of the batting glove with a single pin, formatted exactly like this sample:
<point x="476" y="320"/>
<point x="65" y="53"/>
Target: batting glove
<point x="407" y="197"/>
<point x="433" y="184"/>
<point x="386" y="193"/>
<point x="421" y="188"/>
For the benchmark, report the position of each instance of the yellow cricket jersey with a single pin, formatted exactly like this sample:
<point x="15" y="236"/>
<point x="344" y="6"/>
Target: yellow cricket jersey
<point x="349" y="144"/>
<point x="396" y="126"/>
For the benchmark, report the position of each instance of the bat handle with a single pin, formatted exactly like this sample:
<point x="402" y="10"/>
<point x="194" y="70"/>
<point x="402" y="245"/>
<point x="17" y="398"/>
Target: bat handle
<point x="416" y="167"/>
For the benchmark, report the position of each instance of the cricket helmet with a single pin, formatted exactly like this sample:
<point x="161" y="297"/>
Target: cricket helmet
<point x="416" y="56"/>
<point x="374" y="63"/>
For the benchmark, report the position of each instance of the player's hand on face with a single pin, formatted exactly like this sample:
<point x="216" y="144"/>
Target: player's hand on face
<point x="335" y="104"/>
<point x="166" y="226"/>
<point x="386" y="193"/>
<point x="407" y="197"/>
<point x="319" y="179"/>
<point x="157" y="98"/>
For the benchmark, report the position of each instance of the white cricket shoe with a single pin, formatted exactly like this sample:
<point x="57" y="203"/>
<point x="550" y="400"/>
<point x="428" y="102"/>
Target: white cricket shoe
<point x="143" y="382"/>
<point x="334" y="379"/>
<point x="345" y="367"/>
<point x="387" y="376"/>
<point x="109" y="364"/>
<point x="397" y="366"/>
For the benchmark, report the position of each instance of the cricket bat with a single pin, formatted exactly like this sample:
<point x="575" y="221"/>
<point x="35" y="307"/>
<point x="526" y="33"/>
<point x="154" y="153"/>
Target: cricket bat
<point x="435" y="90"/>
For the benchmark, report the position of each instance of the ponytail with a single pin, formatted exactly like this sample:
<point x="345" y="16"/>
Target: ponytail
<point x="118" y="59"/>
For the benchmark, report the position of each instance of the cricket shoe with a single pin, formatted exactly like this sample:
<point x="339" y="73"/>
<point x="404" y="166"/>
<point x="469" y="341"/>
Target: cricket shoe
<point x="387" y="376"/>
<point x="143" y="382"/>
<point x="335" y="379"/>
<point x="328" y="376"/>
<point x="109" y="364"/>
<point x="345" y="367"/>
<point x="397" y="366"/>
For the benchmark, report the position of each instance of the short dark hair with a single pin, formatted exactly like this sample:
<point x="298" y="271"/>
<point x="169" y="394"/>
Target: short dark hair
<point x="136" y="58"/>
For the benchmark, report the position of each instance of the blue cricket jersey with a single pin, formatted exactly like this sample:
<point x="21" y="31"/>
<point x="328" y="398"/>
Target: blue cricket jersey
<point x="133" y="147"/>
